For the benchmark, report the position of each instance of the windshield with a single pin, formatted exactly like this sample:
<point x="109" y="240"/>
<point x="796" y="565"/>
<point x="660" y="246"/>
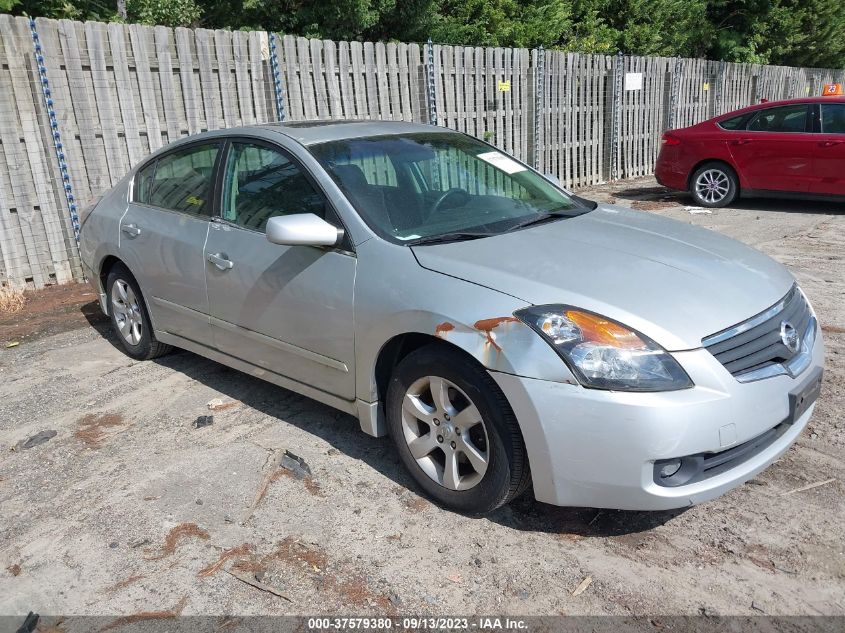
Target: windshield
<point x="413" y="188"/>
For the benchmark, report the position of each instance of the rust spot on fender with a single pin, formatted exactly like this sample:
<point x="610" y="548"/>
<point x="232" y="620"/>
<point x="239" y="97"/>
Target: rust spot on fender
<point x="488" y="325"/>
<point x="443" y="328"/>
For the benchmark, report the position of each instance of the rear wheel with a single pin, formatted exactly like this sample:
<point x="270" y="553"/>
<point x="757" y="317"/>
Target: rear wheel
<point x="129" y="317"/>
<point x="714" y="185"/>
<point x="455" y="431"/>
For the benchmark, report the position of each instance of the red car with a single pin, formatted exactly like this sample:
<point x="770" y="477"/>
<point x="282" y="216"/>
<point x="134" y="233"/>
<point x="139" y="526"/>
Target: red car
<point x="792" y="148"/>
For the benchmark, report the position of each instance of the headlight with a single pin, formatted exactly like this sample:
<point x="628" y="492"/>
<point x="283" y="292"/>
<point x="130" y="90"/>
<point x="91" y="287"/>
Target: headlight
<point x="604" y="354"/>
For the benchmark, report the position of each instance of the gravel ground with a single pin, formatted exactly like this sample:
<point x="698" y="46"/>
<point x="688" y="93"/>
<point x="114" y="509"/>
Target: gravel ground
<point x="131" y="508"/>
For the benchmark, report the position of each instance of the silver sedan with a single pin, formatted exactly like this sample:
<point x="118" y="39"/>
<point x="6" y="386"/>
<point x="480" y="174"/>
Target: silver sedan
<point x="504" y="332"/>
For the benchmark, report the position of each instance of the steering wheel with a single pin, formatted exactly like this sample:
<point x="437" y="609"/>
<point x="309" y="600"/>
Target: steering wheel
<point x="456" y="193"/>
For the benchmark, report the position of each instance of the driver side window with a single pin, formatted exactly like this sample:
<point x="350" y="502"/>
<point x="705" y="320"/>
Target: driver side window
<point x="262" y="182"/>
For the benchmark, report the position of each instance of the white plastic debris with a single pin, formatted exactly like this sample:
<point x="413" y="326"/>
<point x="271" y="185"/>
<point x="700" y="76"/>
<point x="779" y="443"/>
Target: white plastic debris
<point x="698" y="211"/>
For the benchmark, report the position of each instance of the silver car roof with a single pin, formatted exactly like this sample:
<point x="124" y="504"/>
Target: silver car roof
<point x="312" y="132"/>
<point x="307" y="132"/>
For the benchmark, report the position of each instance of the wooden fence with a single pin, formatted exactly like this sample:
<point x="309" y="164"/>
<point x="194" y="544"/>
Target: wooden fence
<point x="116" y="92"/>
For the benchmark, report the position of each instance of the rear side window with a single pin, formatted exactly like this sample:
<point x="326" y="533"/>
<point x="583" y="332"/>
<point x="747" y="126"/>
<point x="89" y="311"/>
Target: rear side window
<point x="180" y="181"/>
<point x="143" y="183"/>
<point x="833" y="118"/>
<point x="792" y="118"/>
<point x="734" y="123"/>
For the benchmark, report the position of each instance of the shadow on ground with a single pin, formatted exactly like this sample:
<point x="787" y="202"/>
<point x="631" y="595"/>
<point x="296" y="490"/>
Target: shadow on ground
<point x="342" y="432"/>
<point x="668" y="198"/>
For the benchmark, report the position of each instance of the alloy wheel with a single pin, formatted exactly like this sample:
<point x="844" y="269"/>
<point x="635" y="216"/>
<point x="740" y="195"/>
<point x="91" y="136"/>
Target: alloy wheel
<point x="127" y="312"/>
<point x="712" y="186"/>
<point x="445" y="433"/>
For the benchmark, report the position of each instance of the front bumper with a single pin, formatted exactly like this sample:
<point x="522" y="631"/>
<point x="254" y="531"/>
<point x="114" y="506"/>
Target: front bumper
<point x="598" y="448"/>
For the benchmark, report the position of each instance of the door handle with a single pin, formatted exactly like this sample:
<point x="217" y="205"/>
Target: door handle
<point x="741" y="141"/>
<point x="132" y="230"/>
<point x="219" y="260"/>
<point x="830" y="143"/>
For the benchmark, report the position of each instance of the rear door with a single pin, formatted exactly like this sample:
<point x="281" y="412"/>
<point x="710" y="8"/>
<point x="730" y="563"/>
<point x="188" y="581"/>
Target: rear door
<point x="776" y="150"/>
<point x="162" y="235"/>
<point x="830" y="151"/>
<point x="287" y="309"/>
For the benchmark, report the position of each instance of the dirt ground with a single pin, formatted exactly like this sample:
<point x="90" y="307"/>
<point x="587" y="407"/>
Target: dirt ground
<point x="133" y="506"/>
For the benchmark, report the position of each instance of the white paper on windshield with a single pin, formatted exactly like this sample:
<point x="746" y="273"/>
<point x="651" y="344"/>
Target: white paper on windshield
<point x="502" y="162"/>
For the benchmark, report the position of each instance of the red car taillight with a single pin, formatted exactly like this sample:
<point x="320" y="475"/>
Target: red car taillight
<point x="668" y="139"/>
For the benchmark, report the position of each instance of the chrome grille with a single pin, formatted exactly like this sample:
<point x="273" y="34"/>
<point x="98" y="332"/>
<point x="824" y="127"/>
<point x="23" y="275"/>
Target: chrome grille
<point x="755" y="344"/>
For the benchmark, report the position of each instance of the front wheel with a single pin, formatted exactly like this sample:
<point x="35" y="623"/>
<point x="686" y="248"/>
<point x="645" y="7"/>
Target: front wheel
<point x="714" y="185"/>
<point x="455" y="431"/>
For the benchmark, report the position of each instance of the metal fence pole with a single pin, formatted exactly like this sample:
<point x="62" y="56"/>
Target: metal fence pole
<point x="56" y="135"/>
<point x="539" y="79"/>
<point x="277" y="78"/>
<point x="616" y="131"/>
<point x="429" y="83"/>
<point x="675" y="94"/>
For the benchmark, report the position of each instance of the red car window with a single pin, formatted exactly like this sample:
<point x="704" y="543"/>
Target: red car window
<point x="833" y="118"/>
<point x="791" y="118"/>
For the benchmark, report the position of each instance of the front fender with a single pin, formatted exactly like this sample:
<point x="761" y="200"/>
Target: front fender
<point x="406" y="298"/>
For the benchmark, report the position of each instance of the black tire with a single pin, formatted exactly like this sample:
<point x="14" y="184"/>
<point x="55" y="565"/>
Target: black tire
<point x="719" y="173"/>
<point x="147" y="346"/>
<point x="508" y="474"/>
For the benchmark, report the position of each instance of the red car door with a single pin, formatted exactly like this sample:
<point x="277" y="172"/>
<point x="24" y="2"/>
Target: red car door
<point x="776" y="150"/>
<point x="830" y="151"/>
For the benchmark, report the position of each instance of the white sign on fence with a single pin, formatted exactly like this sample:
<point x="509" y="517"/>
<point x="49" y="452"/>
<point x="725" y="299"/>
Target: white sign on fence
<point x="633" y="81"/>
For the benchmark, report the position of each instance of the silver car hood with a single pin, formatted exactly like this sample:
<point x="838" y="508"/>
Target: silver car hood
<point x="674" y="282"/>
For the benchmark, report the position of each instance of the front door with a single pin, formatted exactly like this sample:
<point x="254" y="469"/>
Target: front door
<point x="830" y="151"/>
<point x="775" y="152"/>
<point x="162" y="235"/>
<point x="287" y="309"/>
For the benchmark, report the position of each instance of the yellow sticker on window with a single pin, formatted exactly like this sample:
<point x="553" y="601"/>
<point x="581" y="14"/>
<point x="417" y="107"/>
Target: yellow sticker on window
<point x="194" y="201"/>
<point x="505" y="86"/>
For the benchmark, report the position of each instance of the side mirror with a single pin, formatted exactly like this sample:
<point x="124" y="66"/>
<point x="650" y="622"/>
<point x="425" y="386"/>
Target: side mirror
<point x="302" y="229"/>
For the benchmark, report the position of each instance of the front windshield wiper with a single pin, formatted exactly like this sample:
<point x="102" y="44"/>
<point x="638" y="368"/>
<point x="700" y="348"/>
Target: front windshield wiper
<point x="539" y="219"/>
<point x="592" y="205"/>
<point x="458" y="236"/>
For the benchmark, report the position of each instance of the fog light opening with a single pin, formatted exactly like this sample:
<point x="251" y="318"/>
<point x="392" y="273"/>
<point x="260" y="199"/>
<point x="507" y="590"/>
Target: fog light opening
<point x="670" y="468"/>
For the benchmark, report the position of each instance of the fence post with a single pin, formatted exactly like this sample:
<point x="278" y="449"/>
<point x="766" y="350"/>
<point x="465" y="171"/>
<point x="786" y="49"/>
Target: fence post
<point x="675" y="94"/>
<point x="54" y="131"/>
<point x="720" y="88"/>
<point x="539" y="79"/>
<point x="616" y="117"/>
<point x="429" y="83"/>
<point x="277" y="79"/>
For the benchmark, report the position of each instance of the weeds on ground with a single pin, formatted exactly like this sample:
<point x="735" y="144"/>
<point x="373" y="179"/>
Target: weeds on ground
<point x="11" y="300"/>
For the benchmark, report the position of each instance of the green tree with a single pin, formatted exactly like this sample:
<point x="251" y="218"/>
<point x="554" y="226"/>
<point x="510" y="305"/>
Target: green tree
<point x="789" y="32"/>
<point x="70" y="9"/>
<point x="166" y="12"/>
<point x="502" y="22"/>
<point x="807" y="33"/>
<point x="739" y="29"/>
